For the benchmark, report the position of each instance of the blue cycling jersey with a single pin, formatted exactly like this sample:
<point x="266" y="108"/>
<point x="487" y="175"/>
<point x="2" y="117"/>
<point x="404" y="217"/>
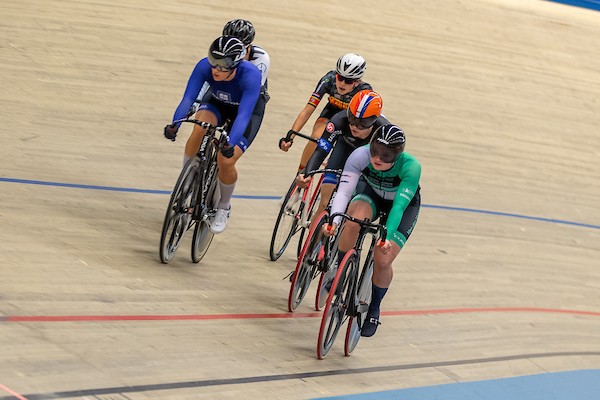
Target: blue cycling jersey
<point x="241" y="92"/>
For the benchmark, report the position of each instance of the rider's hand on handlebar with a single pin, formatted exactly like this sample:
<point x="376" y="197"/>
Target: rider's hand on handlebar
<point x="385" y="246"/>
<point x="329" y="230"/>
<point x="302" y="182"/>
<point x="170" y="132"/>
<point x="286" y="142"/>
<point x="227" y="150"/>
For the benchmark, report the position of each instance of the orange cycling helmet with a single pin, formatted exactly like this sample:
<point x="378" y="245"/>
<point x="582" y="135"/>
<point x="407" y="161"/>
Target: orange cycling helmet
<point x="364" y="109"/>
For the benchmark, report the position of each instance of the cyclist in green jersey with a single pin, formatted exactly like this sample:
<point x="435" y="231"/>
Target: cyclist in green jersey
<point x="379" y="180"/>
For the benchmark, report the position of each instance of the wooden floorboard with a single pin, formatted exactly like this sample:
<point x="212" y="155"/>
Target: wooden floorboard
<point x="500" y="103"/>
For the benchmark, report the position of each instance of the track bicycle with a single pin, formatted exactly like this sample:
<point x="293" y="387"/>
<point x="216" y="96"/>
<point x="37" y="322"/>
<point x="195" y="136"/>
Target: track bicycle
<point x="350" y="292"/>
<point x="318" y="257"/>
<point x="295" y="212"/>
<point x="194" y="198"/>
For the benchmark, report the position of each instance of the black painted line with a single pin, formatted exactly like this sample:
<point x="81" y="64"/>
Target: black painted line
<point x="302" y="375"/>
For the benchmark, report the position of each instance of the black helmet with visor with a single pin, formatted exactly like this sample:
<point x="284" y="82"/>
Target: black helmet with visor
<point x="226" y="53"/>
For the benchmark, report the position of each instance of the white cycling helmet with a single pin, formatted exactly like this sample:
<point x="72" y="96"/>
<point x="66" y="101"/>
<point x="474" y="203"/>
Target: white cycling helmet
<point x="351" y="66"/>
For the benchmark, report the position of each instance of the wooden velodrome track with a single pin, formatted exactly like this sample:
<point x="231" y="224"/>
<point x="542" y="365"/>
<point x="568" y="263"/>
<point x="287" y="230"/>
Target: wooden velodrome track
<point x="499" y="99"/>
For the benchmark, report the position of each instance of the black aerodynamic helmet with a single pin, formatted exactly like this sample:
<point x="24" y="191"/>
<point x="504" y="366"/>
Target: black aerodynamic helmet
<point x="387" y="143"/>
<point x="241" y="29"/>
<point x="226" y="53"/>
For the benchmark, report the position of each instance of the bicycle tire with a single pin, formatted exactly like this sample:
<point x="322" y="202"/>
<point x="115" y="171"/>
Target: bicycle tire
<point x="286" y="212"/>
<point x="202" y="234"/>
<point x="176" y="222"/>
<point x="335" y="310"/>
<point x="307" y="265"/>
<point x="330" y="271"/>
<point x="361" y="306"/>
<point x="313" y="201"/>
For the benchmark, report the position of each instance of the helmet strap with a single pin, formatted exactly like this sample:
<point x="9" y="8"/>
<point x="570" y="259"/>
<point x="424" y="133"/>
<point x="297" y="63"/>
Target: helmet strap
<point x="232" y="72"/>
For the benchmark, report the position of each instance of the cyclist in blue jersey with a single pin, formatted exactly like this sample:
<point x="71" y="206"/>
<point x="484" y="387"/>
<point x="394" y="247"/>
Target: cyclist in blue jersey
<point x="244" y="30"/>
<point x="235" y="86"/>
<point x="379" y="179"/>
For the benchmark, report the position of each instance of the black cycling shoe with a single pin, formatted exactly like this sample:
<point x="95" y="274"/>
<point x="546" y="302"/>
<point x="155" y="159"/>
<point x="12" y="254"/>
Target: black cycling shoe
<point x="370" y="325"/>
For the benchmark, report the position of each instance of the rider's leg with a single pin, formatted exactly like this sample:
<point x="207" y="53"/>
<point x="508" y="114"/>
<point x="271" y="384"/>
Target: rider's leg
<point x="193" y="143"/>
<point x="326" y="191"/>
<point x="383" y="274"/>
<point x="228" y="176"/>
<point x="359" y="209"/>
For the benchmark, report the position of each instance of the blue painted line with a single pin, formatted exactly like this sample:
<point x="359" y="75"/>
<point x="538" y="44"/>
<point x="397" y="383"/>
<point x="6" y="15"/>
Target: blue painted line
<point x="590" y="4"/>
<point x="250" y="197"/>
<point x="503" y="214"/>
<point x="570" y="385"/>
<point x="115" y="189"/>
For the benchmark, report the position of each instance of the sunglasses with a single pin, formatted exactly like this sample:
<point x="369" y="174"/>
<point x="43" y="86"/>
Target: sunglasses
<point x="348" y="81"/>
<point x="220" y="64"/>
<point x="384" y="153"/>
<point x="361" y="123"/>
<point x="221" y="68"/>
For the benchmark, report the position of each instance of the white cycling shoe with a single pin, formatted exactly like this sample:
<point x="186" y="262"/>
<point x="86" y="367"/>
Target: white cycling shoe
<point x="219" y="221"/>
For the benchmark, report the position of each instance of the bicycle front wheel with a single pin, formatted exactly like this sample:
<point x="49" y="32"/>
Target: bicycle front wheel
<point x="178" y="217"/>
<point x="334" y="314"/>
<point x="202" y="234"/>
<point x="314" y="195"/>
<point x="306" y="269"/>
<point x="286" y="224"/>
<point x="329" y="270"/>
<point x="361" y="306"/>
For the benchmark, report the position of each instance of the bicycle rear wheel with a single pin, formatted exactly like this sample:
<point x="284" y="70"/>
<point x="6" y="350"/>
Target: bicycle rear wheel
<point x="308" y="262"/>
<point x="337" y="304"/>
<point x="202" y="235"/>
<point x="286" y="224"/>
<point x="178" y="217"/>
<point x="361" y="302"/>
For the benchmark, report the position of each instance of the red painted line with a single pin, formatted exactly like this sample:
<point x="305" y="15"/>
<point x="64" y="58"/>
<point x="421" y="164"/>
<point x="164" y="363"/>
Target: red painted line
<point x="492" y="309"/>
<point x="68" y="318"/>
<point x="201" y="317"/>
<point x="12" y="392"/>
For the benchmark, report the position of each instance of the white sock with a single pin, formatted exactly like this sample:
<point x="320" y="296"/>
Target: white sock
<point x="226" y="193"/>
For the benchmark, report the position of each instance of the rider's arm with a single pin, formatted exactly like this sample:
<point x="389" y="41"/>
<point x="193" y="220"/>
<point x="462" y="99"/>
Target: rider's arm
<point x="199" y="75"/>
<point x="324" y="86"/>
<point x="250" y="82"/>
<point x="303" y="117"/>
<point x="410" y="176"/>
<point x="357" y="161"/>
<point x="326" y="142"/>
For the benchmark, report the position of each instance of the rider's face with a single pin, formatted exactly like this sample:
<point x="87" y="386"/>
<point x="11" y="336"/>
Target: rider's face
<point x="345" y="85"/>
<point x="221" y="75"/>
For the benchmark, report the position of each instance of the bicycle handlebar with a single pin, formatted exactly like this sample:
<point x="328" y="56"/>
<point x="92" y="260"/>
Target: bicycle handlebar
<point x="210" y="128"/>
<point x="337" y="172"/>
<point x="371" y="226"/>
<point x="290" y="133"/>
